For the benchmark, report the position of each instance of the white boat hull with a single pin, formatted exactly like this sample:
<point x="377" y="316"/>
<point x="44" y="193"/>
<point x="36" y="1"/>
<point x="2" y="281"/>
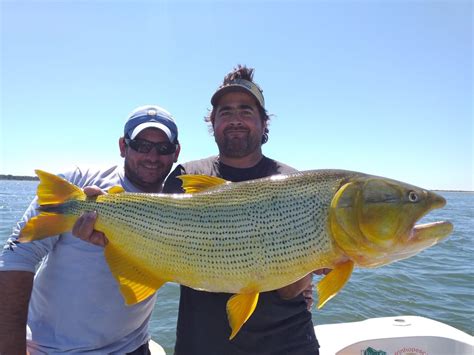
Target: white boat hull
<point x="155" y="348"/>
<point x="401" y="335"/>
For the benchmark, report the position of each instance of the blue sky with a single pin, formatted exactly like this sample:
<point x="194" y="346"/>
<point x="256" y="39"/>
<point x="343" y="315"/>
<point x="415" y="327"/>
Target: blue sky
<point x="382" y="87"/>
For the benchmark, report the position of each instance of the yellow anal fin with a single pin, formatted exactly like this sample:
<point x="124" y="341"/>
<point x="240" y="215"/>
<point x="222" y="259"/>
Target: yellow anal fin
<point x="46" y="225"/>
<point x="116" y="190"/>
<point x="239" y="309"/>
<point x="53" y="189"/>
<point x="198" y="183"/>
<point x="135" y="283"/>
<point x="333" y="282"/>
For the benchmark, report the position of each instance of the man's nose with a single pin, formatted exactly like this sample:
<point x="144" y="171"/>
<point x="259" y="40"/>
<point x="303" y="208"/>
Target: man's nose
<point x="153" y="153"/>
<point x="235" y="122"/>
<point x="237" y="117"/>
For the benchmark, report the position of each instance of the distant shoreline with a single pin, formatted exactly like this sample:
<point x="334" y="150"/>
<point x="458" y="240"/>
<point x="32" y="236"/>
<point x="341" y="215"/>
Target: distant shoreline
<point x="19" y="178"/>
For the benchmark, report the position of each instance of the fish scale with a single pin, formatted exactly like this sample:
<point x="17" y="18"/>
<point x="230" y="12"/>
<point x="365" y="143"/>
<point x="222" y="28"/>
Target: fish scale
<point x="229" y="220"/>
<point x="248" y="234"/>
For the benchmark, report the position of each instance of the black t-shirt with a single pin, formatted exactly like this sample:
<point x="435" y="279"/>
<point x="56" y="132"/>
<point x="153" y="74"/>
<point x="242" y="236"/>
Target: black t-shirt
<point x="277" y="326"/>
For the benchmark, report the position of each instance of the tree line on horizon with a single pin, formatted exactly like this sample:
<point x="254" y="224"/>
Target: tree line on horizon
<point x="16" y="177"/>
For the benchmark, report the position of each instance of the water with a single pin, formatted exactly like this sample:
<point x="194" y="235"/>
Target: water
<point x="437" y="283"/>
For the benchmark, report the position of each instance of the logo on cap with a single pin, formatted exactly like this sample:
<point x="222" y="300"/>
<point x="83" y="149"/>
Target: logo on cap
<point x="152" y="112"/>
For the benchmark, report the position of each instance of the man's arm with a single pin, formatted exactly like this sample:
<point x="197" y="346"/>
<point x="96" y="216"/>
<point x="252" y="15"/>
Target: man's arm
<point x="294" y="289"/>
<point x="15" y="292"/>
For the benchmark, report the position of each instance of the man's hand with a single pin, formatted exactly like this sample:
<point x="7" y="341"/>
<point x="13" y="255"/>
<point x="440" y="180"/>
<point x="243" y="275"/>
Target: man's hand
<point x="322" y="271"/>
<point x="308" y="296"/>
<point x="308" y="291"/>
<point x="294" y="289"/>
<point x="303" y="286"/>
<point x="84" y="226"/>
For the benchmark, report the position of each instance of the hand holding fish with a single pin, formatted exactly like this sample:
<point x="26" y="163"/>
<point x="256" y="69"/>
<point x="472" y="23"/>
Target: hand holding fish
<point x="308" y="296"/>
<point x="308" y="291"/>
<point x="322" y="271"/>
<point x="294" y="289"/>
<point x="84" y="226"/>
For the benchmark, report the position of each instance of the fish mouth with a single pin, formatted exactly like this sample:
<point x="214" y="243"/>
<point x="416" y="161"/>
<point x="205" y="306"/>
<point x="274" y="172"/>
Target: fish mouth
<point x="434" y="231"/>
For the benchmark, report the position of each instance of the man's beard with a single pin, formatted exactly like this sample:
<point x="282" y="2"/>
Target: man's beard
<point x="146" y="184"/>
<point x="237" y="147"/>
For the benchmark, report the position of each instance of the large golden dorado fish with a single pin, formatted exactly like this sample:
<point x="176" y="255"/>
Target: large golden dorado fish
<point x="248" y="237"/>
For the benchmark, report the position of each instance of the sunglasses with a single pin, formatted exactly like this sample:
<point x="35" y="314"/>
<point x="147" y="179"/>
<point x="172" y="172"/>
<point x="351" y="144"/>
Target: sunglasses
<point x="143" y="146"/>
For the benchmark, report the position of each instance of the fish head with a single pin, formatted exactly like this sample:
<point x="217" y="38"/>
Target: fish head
<point x="373" y="220"/>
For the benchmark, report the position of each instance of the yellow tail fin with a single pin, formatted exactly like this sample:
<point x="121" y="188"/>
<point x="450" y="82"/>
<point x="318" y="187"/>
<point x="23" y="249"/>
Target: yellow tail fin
<point x="46" y="225"/>
<point x="52" y="191"/>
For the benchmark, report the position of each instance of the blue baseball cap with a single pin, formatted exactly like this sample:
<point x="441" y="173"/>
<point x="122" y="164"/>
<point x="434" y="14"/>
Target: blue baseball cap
<point x="151" y="116"/>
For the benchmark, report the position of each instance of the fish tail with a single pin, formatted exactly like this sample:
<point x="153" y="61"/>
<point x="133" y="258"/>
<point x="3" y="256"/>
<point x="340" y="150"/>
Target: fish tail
<point x="54" y="190"/>
<point x="53" y="219"/>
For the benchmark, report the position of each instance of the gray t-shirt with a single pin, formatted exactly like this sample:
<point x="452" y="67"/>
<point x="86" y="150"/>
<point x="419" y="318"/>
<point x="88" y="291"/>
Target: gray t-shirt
<point x="76" y="305"/>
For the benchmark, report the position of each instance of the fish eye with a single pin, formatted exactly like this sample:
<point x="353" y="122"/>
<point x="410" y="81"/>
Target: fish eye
<point x="413" y="196"/>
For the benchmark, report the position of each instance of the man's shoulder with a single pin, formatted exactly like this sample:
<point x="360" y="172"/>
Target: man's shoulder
<point x="98" y="176"/>
<point x="277" y="167"/>
<point x="201" y="166"/>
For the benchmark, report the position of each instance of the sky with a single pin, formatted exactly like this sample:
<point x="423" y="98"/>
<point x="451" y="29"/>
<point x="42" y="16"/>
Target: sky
<point x="381" y="87"/>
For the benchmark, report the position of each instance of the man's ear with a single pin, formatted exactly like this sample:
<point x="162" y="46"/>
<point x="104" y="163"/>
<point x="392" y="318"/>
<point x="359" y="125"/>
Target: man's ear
<point x="122" y="146"/>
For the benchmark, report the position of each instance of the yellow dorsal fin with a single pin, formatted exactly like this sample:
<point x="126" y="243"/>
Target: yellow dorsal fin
<point x="239" y="309"/>
<point x="116" y="190"/>
<point x="333" y="282"/>
<point x="53" y="190"/>
<point x="135" y="284"/>
<point x="198" y="183"/>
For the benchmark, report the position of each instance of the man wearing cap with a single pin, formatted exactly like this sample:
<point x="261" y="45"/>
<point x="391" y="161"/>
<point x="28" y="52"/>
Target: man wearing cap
<point x="281" y="322"/>
<point x="74" y="304"/>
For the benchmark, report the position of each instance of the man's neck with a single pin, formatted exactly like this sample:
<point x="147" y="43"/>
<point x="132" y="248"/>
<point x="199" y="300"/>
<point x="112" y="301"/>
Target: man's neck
<point x="152" y="189"/>
<point x="147" y="188"/>
<point x="243" y="162"/>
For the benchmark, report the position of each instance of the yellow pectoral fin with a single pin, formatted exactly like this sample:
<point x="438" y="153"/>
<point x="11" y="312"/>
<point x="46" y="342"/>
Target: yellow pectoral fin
<point x="333" y="282"/>
<point x="198" y="183"/>
<point x="239" y="309"/>
<point x="135" y="283"/>
<point x="116" y="190"/>
<point x="46" y="225"/>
